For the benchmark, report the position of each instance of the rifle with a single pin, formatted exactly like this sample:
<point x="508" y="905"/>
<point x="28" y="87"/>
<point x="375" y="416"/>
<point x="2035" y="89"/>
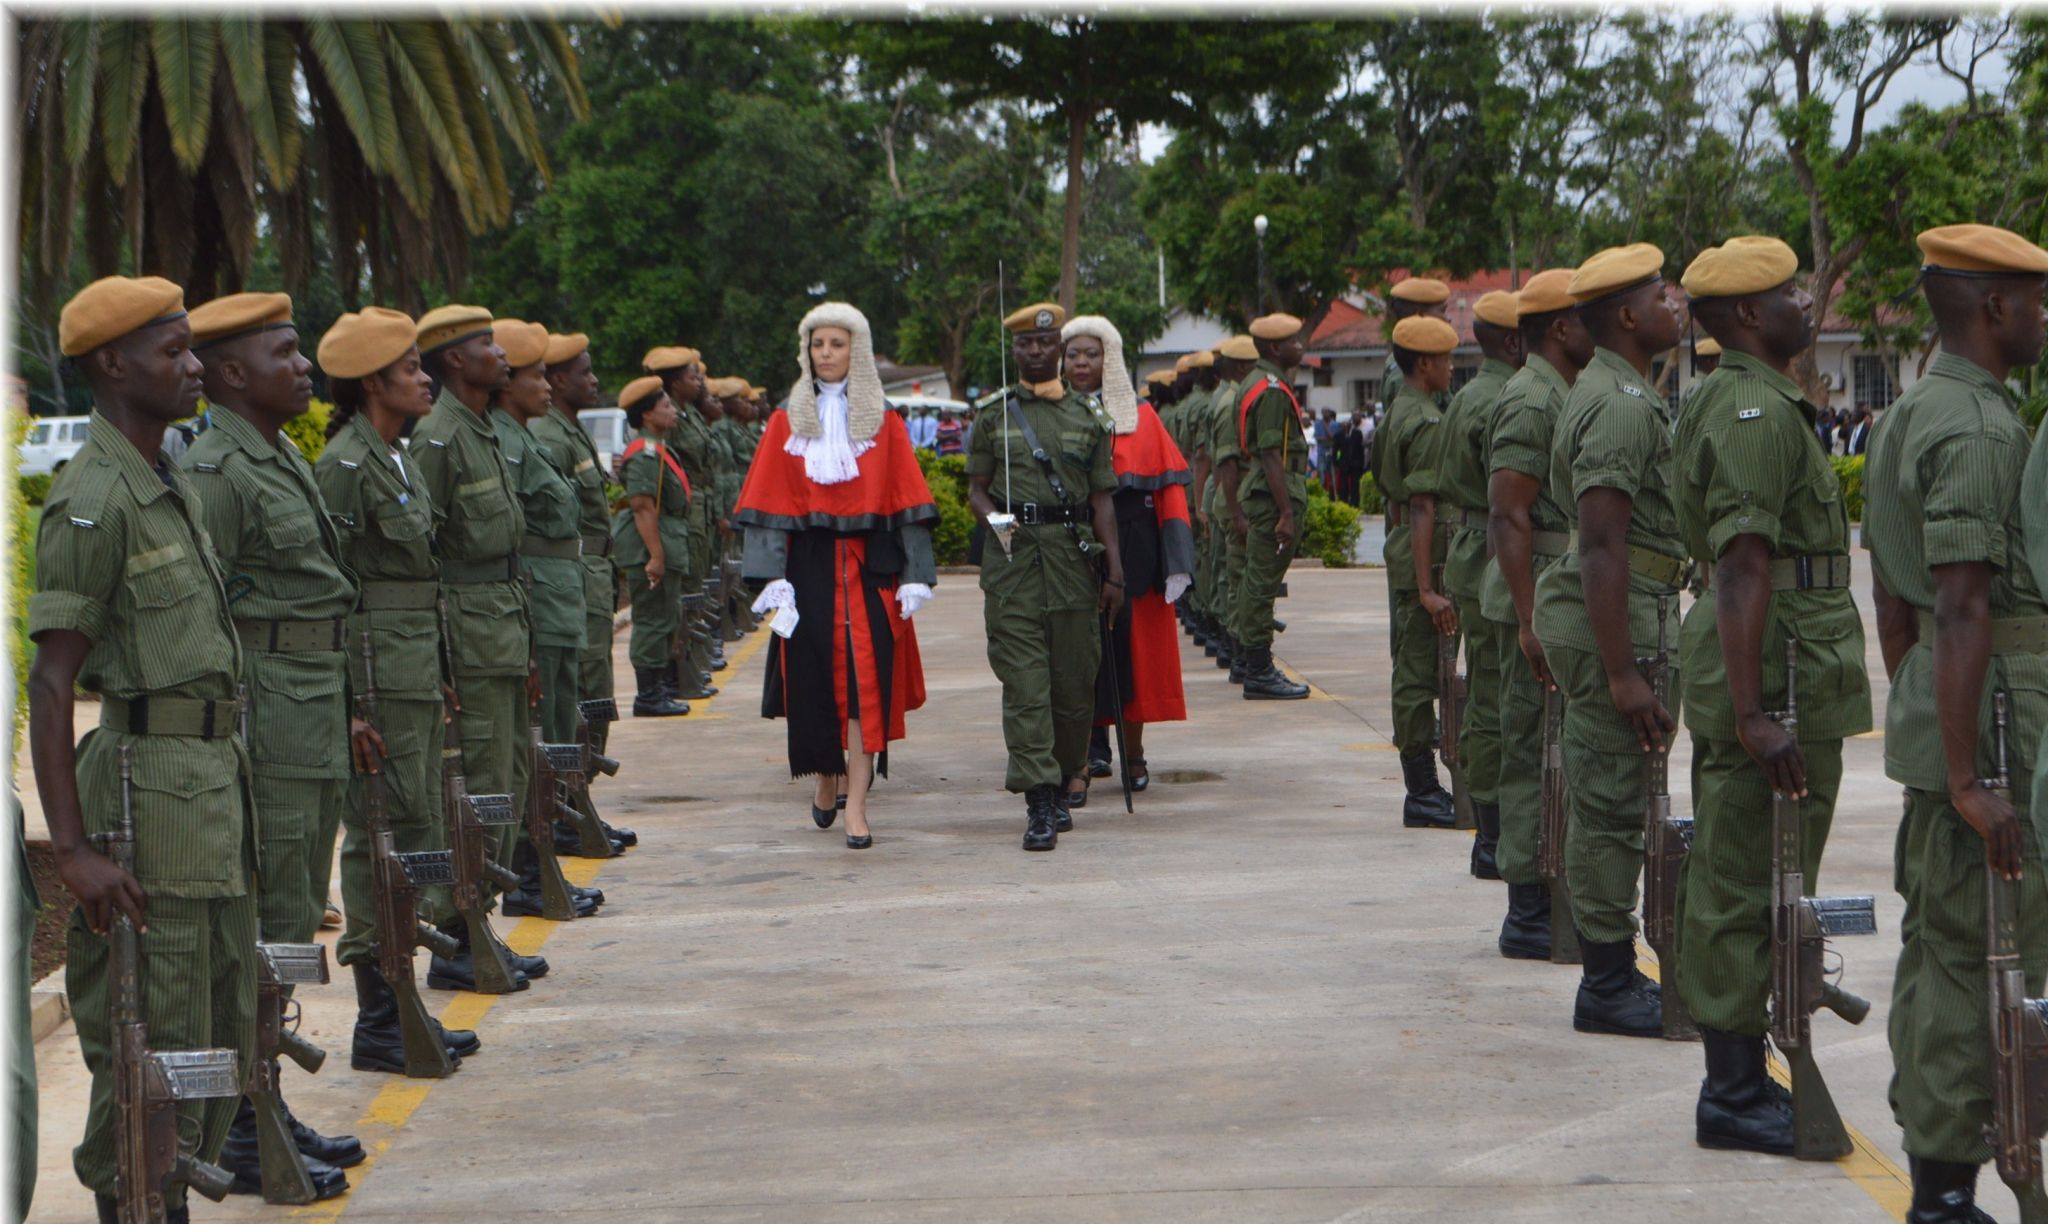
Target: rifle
<point x="542" y="806"/>
<point x="1800" y="926"/>
<point x="395" y="881"/>
<point x="593" y="715"/>
<point x="1550" y="833"/>
<point x="470" y="847"/>
<point x="280" y="967"/>
<point x="2019" y="1025"/>
<point x="149" y="1157"/>
<point x="1666" y="839"/>
<point x="1450" y="696"/>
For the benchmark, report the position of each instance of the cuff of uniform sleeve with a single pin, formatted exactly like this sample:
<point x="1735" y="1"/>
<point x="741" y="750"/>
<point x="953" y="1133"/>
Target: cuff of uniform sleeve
<point x="1603" y="478"/>
<point x="1747" y="521"/>
<point x="1423" y="480"/>
<point x="1532" y="467"/>
<point x="66" y="610"/>
<point x="1957" y="541"/>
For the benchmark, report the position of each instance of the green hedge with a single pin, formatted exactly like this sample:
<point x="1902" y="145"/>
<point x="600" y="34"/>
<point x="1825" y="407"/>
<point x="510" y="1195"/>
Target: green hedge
<point x="947" y="477"/>
<point x="22" y="574"/>
<point x="1369" y="499"/>
<point x="35" y="490"/>
<point x="1330" y="529"/>
<point x="309" y="432"/>
<point x="1849" y="470"/>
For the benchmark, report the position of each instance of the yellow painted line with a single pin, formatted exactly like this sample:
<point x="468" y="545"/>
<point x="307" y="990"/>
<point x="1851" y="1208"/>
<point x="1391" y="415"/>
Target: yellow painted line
<point x="1889" y="1186"/>
<point x="1371" y="746"/>
<point x="1868" y="735"/>
<point x="700" y="711"/>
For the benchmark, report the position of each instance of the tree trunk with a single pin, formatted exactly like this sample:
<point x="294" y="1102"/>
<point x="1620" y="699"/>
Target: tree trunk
<point x="1070" y="236"/>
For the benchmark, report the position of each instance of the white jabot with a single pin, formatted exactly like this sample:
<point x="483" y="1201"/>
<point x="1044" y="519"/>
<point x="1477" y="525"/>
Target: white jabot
<point x="829" y="458"/>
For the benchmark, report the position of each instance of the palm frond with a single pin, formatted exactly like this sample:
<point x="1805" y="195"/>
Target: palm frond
<point x="351" y="59"/>
<point x="81" y="70"/>
<point x="420" y="61"/>
<point x="187" y="51"/>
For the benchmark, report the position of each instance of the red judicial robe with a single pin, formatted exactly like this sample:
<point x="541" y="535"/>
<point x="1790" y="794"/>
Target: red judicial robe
<point x="852" y="653"/>
<point x="1156" y="539"/>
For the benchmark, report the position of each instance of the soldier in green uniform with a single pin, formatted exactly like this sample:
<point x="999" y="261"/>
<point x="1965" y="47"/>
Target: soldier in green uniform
<point x="383" y="520"/>
<point x="290" y="598"/>
<point x="1950" y="516"/>
<point x="572" y="388"/>
<point x="1462" y="514"/>
<point x="681" y="371"/>
<point x="478" y="527"/>
<point x="745" y="412"/>
<point x="728" y="435"/>
<point x="130" y="605"/>
<point x="1762" y="514"/>
<point x="1596" y="614"/>
<point x="1274" y="495"/>
<point x="1413" y="297"/>
<point x="551" y="561"/>
<point x="1234" y="360"/>
<point x="1193" y="440"/>
<point x="651" y="543"/>
<point x="1051" y="522"/>
<point x="1528" y="532"/>
<point x="1407" y="454"/>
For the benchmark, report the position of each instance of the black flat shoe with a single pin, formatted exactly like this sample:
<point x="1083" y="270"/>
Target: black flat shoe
<point x="1098" y="767"/>
<point x="1140" y="777"/>
<point x="1077" y="799"/>
<point x="823" y="817"/>
<point x="859" y="843"/>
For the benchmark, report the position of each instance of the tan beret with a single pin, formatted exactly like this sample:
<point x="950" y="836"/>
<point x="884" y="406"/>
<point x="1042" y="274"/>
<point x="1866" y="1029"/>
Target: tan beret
<point x="1545" y="292"/>
<point x="1498" y="308"/>
<point x="1423" y="334"/>
<point x="1202" y="360"/>
<point x="563" y="349"/>
<point x="1740" y="266"/>
<point x="524" y="343"/>
<point x="1160" y="378"/>
<point x="1421" y="290"/>
<point x="639" y="389"/>
<point x="726" y="388"/>
<point x="1186" y="362"/>
<point x="446" y="325"/>
<point x="360" y="344"/>
<point x="754" y="392"/>
<point x="1039" y="316"/>
<point x="670" y="357"/>
<point x="1238" y="348"/>
<point x="1276" y="327"/>
<point x="1615" y="269"/>
<point x="237" y="315"/>
<point x="1707" y="347"/>
<point x="113" y="306"/>
<point x="1981" y="248"/>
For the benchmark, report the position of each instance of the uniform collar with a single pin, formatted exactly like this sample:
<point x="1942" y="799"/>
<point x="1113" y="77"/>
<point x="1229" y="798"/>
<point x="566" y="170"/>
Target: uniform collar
<point x="1494" y="365"/>
<point x="1272" y="368"/>
<point x="1962" y="369"/>
<point x="143" y="482"/>
<point x="1618" y="366"/>
<point x="1548" y="374"/>
<point x="236" y="429"/>
<point x="462" y="413"/>
<point x="1751" y="367"/>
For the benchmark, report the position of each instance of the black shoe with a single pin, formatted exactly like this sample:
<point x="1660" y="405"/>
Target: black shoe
<point x="1040" y="829"/>
<point x="1265" y="682"/>
<point x="823" y="817"/>
<point x="651" y="698"/>
<point x="1486" y="845"/>
<point x="461" y="1043"/>
<point x="1062" y="811"/>
<point x="341" y="1151"/>
<point x="379" y="1040"/>
<point x="527" y="904"/>
<point x="1098" y="753"/>
<point x="1428" y="805"/>
<point x="1614" y="997"/>
<point x="1279" y="626"/>
<point x="1074" y="799"/>
<point x="1944" y="1192"/>
<point x="839" y="803"/>
<point x="528" y="966"/>
<point x="859" y="843"/>
<point x="620" y="837"/>
<point x="1525" y="932"/>
<point x="241" y="1158"/>
<point x="459" y="973"/>
<point x="1737" y="1111"/>
<point x="1239" y="667"/>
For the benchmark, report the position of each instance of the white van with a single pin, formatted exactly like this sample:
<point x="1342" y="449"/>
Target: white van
<point x="607" y="428"/>
<point x="50" y="444"/>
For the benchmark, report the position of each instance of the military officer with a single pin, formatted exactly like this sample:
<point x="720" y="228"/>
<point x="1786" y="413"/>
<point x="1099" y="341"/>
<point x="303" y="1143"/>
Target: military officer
<point x="651" y="543"/>
<point x="1234" y="360"/>
<point x="1950" y="515"/>
<point x="681" y="371"/>
<point x="1051" y="524"/>
<point x="478" y="527"/>
<point x="1274" y="497"/>
<point x="1412" y="297"/>
<point x="1462" y="514"/>
<point x="1193" y="440"/>
<point x="1408" y="446"/>
<point x="1762" y="514"/>
<point x="290" y="597"/>
<point x="129" y="604"/>
<point x="572" y="388"/>
<point x="1528" y="532"/>
<point x="1596" y="614"/>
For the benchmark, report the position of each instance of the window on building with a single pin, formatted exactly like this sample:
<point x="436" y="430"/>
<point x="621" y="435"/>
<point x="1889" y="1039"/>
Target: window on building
<point x="1877" y="380"/>
<point x="1462" y="374"/>
<point x="1365" y="392"/>
<point x="1323" y="375"/>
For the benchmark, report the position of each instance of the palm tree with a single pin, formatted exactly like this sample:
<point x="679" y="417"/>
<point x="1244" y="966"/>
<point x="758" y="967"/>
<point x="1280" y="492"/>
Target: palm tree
<point x="166" y="144"/>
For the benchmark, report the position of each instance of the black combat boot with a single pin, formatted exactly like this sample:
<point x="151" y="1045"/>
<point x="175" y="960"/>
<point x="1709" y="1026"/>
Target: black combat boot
<point x="1525" y="932"/>
<point x="341" y="1151"/>
<point x="461" y="1043"/>
<point x="1265" y="682"/>
<point x="1062" y="811"/>
<point x="1040" y="819"/>
<point x="379" y="1043"/>
<point x="526" y="901"/>
<point x="1225" y="648"/>
<point x="651" y="697"/>
<point x="622" y="838"/>
<point x="1737" y="1110"/>
<point x="1944" y="1192"/>
<point x="1487" y="844"/>
<point x="239" y="1156"/>
<point x="458" y="972"/>
<point x="698" y="688"/>
<point x="1614" y="997"/>
<point x="1429" y="805"/>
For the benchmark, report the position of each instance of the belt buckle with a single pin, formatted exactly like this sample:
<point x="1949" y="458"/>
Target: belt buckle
<point x="1802" y="570"/>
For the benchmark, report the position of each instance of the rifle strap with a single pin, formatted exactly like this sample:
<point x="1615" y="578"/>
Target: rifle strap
<point x="1015" y="412"/>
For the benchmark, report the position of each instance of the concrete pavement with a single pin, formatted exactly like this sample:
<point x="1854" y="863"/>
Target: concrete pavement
<point x="1259" y="998"/>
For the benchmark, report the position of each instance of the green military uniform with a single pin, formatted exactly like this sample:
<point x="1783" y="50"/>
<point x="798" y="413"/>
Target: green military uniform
<point x="692" y="443"/>
<point x="1271" y="423"/>
<point x="573" y="452"/>
<point x="122" y="557"/>
<point x="1227" y="569"/>
<point x="478" y="527"/>
<point x="726" y="437"/>
<point x="1461" y="511"/>
<point x="385" y="520"/>
<point x="656" y="610"/>
<point x="21" y="1045"/>
<point x="1749" y="463"/>
<point x="1944" y="487"/>
<point x="1408" y="456"/>
<point x="1040" y="600"/>
<point x="551" y="557"/>
<point x="1520" y="441"/>
<point x="1192" y="440"/>
<point x="1614" y="433"/>
<point x="291" y="598"/>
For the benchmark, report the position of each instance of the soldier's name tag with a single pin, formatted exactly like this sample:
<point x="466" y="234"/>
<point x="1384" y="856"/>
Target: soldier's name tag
<point x="79" y="522"/>
<point x="1749" y="414"/>
<point x="1635" y="391"/>
<point x="211" y="469"/>
<point x="353" y="467"/>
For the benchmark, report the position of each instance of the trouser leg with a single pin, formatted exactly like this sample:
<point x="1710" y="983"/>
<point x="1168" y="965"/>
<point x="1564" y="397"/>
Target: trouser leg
<point x="655" y="614"/>
<point x="1414" y="680"/>
<point x="297" y="820"/>
<point x="1076" y="653"/>
<point x="411" y="775"/>
<point x="1604" y="843"/>
<point x="558" y="687"/>
<point x="494" y="728"/>
<point x="1265" y="568"/>
<point x="600" y="600"/>
<point x="1479" y="747"/>
<point x="1020" y="654"/>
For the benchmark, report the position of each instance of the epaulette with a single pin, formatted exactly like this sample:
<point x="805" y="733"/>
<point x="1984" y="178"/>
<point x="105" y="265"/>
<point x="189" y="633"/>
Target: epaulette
<point x="1631" y="390"/>
<point x="353" y="467"/>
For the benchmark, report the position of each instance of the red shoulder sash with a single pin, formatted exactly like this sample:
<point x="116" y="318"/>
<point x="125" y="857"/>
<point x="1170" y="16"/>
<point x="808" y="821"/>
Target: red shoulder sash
<point x="1251" y="396"/>
<point x="667" y="457"/>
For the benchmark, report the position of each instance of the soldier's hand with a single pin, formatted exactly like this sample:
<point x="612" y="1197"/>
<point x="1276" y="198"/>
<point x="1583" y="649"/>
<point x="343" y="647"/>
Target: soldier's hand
<point x="1775" y="752"/>
<point x="1240" y="526"/>
<point x="1637" y="702"/>
<point x="1111" y="600"/>
<point x="655" y="569"/>
<point x="1532" y="650"/>
<point x="1442" y="613"/>
<point x="366" y="745"/>
<point x="1283" y="534"/>
<point x="533" y="693"/>
<point x="1996" y="822"/>
<point x="102" y="890"/>
<point x="449" y="698"/>
<point x="1201" y="523"/>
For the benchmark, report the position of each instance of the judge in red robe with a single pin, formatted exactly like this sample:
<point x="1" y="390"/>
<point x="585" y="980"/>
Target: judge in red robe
<point x="1159" y="554"/>
<point x="838" y="524"/>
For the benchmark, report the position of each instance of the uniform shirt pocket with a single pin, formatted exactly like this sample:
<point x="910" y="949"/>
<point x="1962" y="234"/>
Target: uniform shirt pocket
<point x="168" y="621"/>
<point x="188" y="804"/>
<point x="298" y="717"/>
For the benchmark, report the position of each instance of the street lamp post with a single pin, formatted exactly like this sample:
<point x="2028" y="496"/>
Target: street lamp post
<point x="1259" y="227"/>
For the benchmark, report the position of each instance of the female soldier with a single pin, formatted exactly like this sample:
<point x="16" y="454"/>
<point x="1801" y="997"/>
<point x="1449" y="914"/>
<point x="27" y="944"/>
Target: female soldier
<point x="651" y="544"/>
